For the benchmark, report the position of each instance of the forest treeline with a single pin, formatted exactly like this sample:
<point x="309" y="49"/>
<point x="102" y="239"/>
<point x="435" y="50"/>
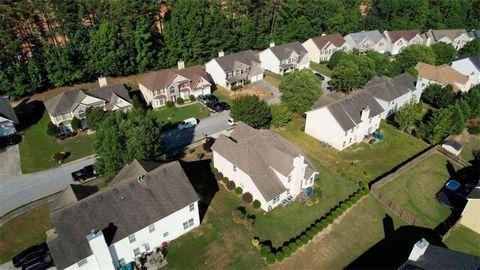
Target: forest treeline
<point x="51" y="43"/>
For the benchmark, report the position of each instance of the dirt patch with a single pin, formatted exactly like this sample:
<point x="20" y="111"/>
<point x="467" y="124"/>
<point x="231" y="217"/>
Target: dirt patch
<point x="249" y="90"/>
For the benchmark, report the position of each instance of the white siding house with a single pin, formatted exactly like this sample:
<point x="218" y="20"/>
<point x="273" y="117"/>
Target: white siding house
<point x="321" y="48"/>
<point x="469" y="66"/>
<point x="366" y="41"/>
<point x="284" y="58"/>
<point x="398" y="40"/>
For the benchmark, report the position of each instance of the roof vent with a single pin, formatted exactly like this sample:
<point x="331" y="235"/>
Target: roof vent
<point x="123" y="198"/>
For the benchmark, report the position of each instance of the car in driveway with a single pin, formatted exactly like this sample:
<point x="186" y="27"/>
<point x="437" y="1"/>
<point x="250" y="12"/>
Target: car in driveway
<point x="207" y="99"/>
<point x="319" y="76"/>
<point x="84" y="173"/>
<point x="41" y="263"/>
<point x="187" y="123"/>
<point x="30" y="254"/>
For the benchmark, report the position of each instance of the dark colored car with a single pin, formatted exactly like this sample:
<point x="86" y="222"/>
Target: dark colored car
<point x="30" y="254"/>
<point x="40" y="263"/>
<point x="217" y="108"/>
<point x="224" y="106"/>
<point x="320" y="76"/>
<point x="203" y="99"/>
<point x="84" y="174"/>
<point x="212" y="98"/>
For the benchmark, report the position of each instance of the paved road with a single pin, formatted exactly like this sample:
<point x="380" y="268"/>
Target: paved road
<point x="175" y="138"/>
<point x="18" y="190"/>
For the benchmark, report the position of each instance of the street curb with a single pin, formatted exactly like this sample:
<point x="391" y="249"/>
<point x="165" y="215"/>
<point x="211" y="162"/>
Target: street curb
<point x="62" y="165"/>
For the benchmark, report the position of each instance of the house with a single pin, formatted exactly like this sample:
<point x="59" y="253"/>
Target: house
<point x="474" y="34"/>
<point x="235" y="69"/>
<point x="346" y="121"/>
<point x="146" y="205"/>
<point x="457" y="37"/>
<point x="452" y="146"/>
<point x="284" y="58"/>
<point x="394" y="93"/>
<point x="444" y="75"/>
<point x="63" y="107"/>
<point x="427" y="256"/>
<point x="169" y="84"/>
<point x="366" y="41"/>
<point x="470" y="217"/>
<point x="321" y="48"/>
<point x="397" y="40"/>
<point x="469" y="66"/>
<point x="8" y="118"/>
<point x="263" y="164"/>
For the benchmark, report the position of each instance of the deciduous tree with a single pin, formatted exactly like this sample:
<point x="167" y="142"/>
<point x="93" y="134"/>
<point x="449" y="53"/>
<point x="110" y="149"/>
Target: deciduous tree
<point x="300" y="89"/>
<point x="252" y="111"/>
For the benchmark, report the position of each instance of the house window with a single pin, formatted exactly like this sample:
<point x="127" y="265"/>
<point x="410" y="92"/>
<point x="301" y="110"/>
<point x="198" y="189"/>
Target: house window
<point x="234" y="168"/>
<point x="370" y="120"/>
<point x="350" y="141"/>
<point x="343" y="144"/>
<point x="136" y="252"/>
<point x="276" y="199"/>
<point x="82" y="263"/>
<point x="172" y="90"/>
<point x="346" y="133"/>
<point x="131" y="238"/>
<point x="188" y="224"/>
<point x="165" y="234"/>
<point x="147" y="247"/>
<point x="151" y="228"/>
<point x="192" y="207"/>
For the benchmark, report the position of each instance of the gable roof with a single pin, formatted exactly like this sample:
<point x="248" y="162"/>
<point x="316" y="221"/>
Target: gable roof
<point x="111" y="93"/>
<point x="135" y="169"/>
<point x="232" y="61"/>
<point x="444" y="74"/>
<point x="73" y="194"/>
<point x="128" y="206"/>
<point x="258" y="153"/>
<point x="405" y="34"/>
<point x="456" y="145"/>
<point x="162" y="78"/>
<point x="322" y="41"/>
<point x="474" y="59"/>
<point x="374" y="35"/>
<point x="284" y="51"/>
<point x="389" y="89"/>
<point x="450" y="33"/>
<point x="6" y="110"/>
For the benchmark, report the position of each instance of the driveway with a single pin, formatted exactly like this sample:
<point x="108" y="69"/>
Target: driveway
<point x="324" y="82"/>
<point x="17" y="190"/>
<point x="270" y="89"/>
<point x="10" y="161"/>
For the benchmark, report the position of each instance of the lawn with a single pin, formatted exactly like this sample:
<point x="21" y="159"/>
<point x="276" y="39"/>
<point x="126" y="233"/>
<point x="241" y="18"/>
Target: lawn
<point x="471" y="144"/>
<point x="462" y="239"/>
<point x="24" y="231"/>
<point x="223" y="95"/>
<point x="416" y="188"/>
<point x="37" y="148"/>
<point x="273" y="78"/>
<point x="361" y="162"/>
<point x="174" y="115"/>
<point x="321" y="68"/>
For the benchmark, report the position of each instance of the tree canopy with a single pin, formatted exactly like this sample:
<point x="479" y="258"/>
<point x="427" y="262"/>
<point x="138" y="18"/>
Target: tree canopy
<point x="300" y="89"/>
<point x="444" y="53"/>
<point x="252" y="111"/>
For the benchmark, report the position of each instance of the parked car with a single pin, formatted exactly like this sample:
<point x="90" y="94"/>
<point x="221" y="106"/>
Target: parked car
<point x="319" y="76"/>
<point x="187" y="123"/>
<point x="84" y="173"/>
<point x="41" y="263"/>
<point x="224" y="106"/>
<point x="231" y="122"/>
<point x="217" y="108"/>
<point x="30" y="254"/>
<point x="203" y="99"/>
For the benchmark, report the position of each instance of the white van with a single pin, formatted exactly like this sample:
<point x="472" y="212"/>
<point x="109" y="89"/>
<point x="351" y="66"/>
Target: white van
<point x="187" y="123"/>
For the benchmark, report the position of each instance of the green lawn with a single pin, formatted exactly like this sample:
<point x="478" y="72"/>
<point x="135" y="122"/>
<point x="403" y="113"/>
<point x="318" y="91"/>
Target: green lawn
<point x="222" y="95"/>
<point x="175" y="115"/>
<point x="471" y="143"/>
<point x="272" y="78"/>
<point x="24" y="231"/>
<point x="462" y="239"/>
<point x="37" y="148"/>
<point x="321" y="68"/>
<point x="415" y="189"/>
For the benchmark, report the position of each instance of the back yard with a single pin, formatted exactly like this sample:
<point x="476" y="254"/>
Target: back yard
<point x="174" y="115"/>
<point x="463" y="239"/>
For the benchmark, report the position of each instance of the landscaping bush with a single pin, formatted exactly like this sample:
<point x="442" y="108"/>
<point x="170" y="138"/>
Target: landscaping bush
<point x="192" y="98"/>
<point x="304" y="239"/>
<point x="280" y="256"/>
<point x="271" y="258"/>
<point x="299" y="243"/>
<point x="219" y="176"/>
<point x="265" y="250"/>
<point x="310" y="235"/>
<point x="293" y="247"/>
<point x="169" y="104"/>
<point x="225" y="180"/>
<point x="287" y="251"/>
<point x="247" y="197"/>
<point x="329" y="219"/>
<point x="231" y="185"/>
<point x="59" y="157"/>
<point x="180" y="101"/>
<point x="315" y="230"/>
<point x="257" y="204"/>
<point x="238" y="190"/>
<point x="214" y="170"/>
<point x="75" y="123"/>
<point x="51" y="129"/>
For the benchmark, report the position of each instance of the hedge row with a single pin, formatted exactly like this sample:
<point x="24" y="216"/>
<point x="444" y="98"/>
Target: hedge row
<point x="310" y="232"/>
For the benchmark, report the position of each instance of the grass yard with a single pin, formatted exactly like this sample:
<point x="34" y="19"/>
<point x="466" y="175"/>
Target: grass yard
<point x="471" y="144"/>
<point x="415" y="189"/>
<point x="223" y="95"/>
<point x="272" y="78"/>
<point x="24" y="231"/>
<point x="174" y="115"/>
<point x="462" y="239"/>
<point x="321" y="68"/>
<point x="37" y="148"/>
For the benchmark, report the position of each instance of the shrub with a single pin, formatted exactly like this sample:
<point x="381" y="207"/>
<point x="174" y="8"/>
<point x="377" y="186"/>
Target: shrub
<point x="214" y="170"/>
<point x="238" y="190"/>
<point x="304" y="239"/>
<point x="219" y="175"/>
<point x="169" y="104"/>
<point x="231" y="185"/>
<point x="255" y="243"/>
<point x="225" y="180"/>
<point x="59" y="157"/>
<point x="247" y="197"/>
<point x="75" y="123"/>
<point x="281" y="114"/>
<point x="192" y="98"/>
<point x="51" y="129"/>
<point x="310" y="235"/>
<point x="271" y="258"/>
<point x="257" y="204"/>
<point x="334" y="214"/>
<point x="293" y="247"/>
<point x="287" y="251"/>
<point x="180" y="101"/>
<point x="299" y="243"/>
<point x="265" y="250"/>
<point x="315" y="230"/>
<point x="280" y="256"/>
<point x="329" y="219"/>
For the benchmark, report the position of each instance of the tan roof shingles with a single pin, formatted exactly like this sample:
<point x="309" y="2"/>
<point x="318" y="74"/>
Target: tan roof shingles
<point x="406" y="34"/>
<point x="321" y="41"/>
<point x="443" y="74"/>
<point x="162" y="78"/>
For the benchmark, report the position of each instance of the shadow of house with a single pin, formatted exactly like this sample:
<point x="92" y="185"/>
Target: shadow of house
<point x="203" y="181"/>
<point x="175" y="141"/>
<point x="29" y="113"/>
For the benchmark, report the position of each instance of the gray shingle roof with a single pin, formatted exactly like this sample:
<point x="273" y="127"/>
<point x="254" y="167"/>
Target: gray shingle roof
<point x="232" y="61"/>
<point x="6" y="110"/>
<point x="130" y="205"/>
<point x="111" y="93"/>
<point x="436" y="257"/>
<point x="456" y="145"/>
<point x="257" y="152"/>
<point x="450" y="33"/>
<point x="284" y="51"/>
<point x="374" y="35"/>
<point x="474" y="34"/>
<point x="389" y="89"/>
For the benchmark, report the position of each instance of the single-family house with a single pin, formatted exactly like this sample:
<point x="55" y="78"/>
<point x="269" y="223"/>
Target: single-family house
<point x="444" y="75"/>
<point x="469" y="66"/>
<point x="452" y="146"/>
<point x="169" y="84"/>
<point x="63" y="107"/>
<point x="346" y="121"/>
<point x="321" y="48"/>
<point x="393" y="93"/>
<point x="263" y="164"/>
<point x="470" y="215"/>
<point x="367" y="41"/>
<point x="474" y="34"/>
<point x="235" y="69"/>
<point x="284" y="58"/>
<point x="427" y="256"/>
<point x="457" y="37"/>
<point x="397" y="40"/>
<point x="8" y="118"/>
<point x="147" y="204"/>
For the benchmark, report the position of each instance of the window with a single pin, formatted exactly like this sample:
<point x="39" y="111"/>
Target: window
<point x="147" y="247"/>
<point x="234" y="168"/>
<point x="82" y="263"/>
<point x="276" y="199"/>
<point x="172" y="90"/>
<point x="131" y="238"/>
<point x="165" y="234"/>
<point x="151" y="228"/>
<point x="370" y="120"/>
<point x="350" y="141"/>
<point x="188" y="224"/>
<point x="136" y="252"/>
<point x="192" y="207"/>
<point x="343" y="144"/>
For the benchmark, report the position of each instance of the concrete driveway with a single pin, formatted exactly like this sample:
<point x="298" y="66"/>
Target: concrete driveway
<point x="10" y="161"/>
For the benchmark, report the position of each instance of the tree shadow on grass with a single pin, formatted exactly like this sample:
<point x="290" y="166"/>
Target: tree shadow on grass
<point x="29" y="113"/>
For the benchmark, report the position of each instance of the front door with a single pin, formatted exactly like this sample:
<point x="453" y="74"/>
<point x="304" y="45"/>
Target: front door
<point x="173" y="98"/>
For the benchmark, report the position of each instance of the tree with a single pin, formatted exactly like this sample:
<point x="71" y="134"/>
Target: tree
<point x="252" y="111"/>
<point x="75" y="123"/>
<point x="281" y="114"/>
<point x="383" y="66"/>
<point x="405" y="118"/>
<point x="458" y="119"/>
<point x="473" y="99"/>
<point x="346" y="76"/>
<point x="411" y="55"/>
<point x="52" y="130"/>
<point x="438" y="96"/>
<point x="471" y="48"/>
<point x="94" y="116"/>
<point x="300" y="89"/>
<point x="436" y="126"/>
<point x="444" y="53"/>
<point x="335" y="59"/>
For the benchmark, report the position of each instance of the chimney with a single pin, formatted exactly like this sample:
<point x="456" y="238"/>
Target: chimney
<point x="418" y="249"/>
<point x="181" y="64"/>
<point x="102" y="81"/>
<point x="221" y="54"/>
<point x="365" y="114"/>
<point x="323" y="34"/>
<point x="272" y="44"/>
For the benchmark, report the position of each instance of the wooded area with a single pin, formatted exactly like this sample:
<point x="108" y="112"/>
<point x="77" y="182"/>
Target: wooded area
<point x="51" y="43"/>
